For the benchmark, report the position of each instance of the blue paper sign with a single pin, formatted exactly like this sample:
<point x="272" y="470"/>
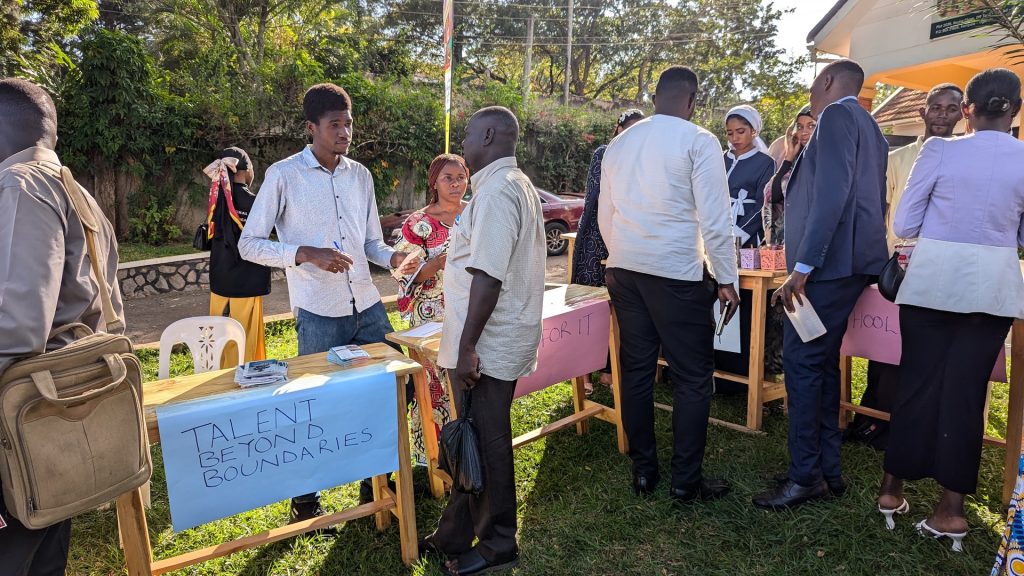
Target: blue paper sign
<point x="236" y="452"/>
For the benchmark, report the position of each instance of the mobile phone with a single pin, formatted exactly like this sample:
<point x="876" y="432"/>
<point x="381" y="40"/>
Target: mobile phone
<point x="721" y="319"/>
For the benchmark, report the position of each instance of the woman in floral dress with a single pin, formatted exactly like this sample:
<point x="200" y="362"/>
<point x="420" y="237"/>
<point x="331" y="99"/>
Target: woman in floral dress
<point x="422" y="295"/>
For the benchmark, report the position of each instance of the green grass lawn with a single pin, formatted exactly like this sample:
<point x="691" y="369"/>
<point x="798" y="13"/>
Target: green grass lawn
<point x="578" y="515"/>
<point x="133" y="251"/>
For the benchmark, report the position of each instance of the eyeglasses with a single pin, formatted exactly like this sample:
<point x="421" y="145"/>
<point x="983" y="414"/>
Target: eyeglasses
<point x="446" y="179"/>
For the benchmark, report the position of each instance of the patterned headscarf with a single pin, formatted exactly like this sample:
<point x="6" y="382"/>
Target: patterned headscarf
<point x="217" y="171"/>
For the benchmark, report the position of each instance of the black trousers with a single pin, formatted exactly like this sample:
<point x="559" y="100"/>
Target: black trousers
<point x="812" y="382"/>
<point x="25" y="552"/>
<point x="491" y="516"/>
<point x="938" y="419"/>
<point x="673" y="316"/>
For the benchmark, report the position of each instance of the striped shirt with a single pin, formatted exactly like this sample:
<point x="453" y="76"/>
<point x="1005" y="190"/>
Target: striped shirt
<point x="500" y="233"/>
<point x="311" y="206"/>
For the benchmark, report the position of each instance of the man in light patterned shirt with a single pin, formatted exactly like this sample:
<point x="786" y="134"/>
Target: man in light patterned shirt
<point x="494" y="292"/>
<point x="325" y="212"/>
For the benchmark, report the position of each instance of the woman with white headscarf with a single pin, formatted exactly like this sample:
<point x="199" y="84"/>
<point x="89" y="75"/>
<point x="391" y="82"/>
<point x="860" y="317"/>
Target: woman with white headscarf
<point x="750" y="169"/>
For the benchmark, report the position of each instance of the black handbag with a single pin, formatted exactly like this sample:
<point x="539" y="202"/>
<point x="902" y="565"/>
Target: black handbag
<point x="460" y="452"/>
<point x="201" y="241"/>
<point x="891" y="277"/>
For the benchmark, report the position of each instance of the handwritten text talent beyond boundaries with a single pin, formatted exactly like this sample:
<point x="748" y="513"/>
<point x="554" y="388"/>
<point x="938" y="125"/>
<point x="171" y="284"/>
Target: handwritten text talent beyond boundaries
<point x="277" y="437"/>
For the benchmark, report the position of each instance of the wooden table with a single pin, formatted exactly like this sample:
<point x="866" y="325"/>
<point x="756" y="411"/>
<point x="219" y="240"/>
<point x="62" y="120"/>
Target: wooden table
<point x="425" y="349"/>
<point x="759" y="390"/>
<point x="1015" y="408"/>
<point x="131" y="516"/>
<point x="571" y="237"/>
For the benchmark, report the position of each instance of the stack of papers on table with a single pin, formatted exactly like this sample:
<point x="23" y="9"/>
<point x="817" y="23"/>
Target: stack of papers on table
<point x="261" y="372"/>
<point x="424" y="330"/>
<point x="345" y="355"/>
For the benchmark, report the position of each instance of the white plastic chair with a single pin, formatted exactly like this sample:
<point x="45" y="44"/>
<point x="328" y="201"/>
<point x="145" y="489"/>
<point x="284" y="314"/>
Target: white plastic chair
<point x="206" y="337"/>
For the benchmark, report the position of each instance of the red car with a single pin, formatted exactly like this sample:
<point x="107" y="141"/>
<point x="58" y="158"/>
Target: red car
<point x="561" y="215"/>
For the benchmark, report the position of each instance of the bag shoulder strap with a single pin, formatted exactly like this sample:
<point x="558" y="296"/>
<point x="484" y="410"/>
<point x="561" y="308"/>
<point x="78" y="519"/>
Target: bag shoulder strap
<point x="91" y="225"/>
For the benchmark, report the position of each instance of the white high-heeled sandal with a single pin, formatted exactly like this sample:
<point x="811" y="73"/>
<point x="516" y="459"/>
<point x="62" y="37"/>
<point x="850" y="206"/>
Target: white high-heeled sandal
<point x="890" y="523"/>
<point x="928" y="532"/>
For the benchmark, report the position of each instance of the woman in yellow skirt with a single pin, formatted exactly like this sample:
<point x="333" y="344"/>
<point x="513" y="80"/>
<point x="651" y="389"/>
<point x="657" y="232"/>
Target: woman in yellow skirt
<point x="237" y="286"/>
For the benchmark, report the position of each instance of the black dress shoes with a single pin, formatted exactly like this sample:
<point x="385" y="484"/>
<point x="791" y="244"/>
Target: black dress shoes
<point x="644" y="485"/>
<point x="305" y="510"/>
<point x="706" y="490"/>
<point x="836" y="486"/>
<point x="472" y="564"/>
<point x="790" y="494"/>
<point x="427" y="547"/>
<point x="301" y="511"/>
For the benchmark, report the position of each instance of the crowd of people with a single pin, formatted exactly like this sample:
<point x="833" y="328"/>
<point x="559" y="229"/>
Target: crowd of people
<point x="666" y="212"/>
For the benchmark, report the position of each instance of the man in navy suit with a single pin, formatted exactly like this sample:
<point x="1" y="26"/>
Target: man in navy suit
<point x="835" y="247"/>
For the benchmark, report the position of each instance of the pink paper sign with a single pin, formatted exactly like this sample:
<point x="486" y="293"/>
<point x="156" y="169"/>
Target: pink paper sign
<point x="874" y="333"/>
<point x="574" y="342"/>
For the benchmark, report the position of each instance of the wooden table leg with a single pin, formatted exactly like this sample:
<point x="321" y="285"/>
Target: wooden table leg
<point x="568" y="266"/>
<point x="613" y="350"/>
<point x="755" y="370"/>
<point x="380" y="484"/>
<point x="579" y="401"/>
<point x="845" y="389"/>
<point x="405" y="507"/>
<point x="131" y="523"/>
<point x="1015" y="416"/>
<point x="421" y="383"/>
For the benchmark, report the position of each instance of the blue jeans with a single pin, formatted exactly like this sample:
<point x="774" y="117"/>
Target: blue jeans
<point x="321" y="333"/>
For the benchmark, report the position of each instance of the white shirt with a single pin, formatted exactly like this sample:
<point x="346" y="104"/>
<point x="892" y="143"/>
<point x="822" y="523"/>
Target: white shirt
<point x="310" y="206"/>
<point x="501" y="233"/>
<point x="665" y="201"/>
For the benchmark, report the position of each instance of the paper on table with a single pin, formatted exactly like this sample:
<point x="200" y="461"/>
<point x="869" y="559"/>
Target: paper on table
<point x="424" y="330"/>
<point x="805" y="320"/>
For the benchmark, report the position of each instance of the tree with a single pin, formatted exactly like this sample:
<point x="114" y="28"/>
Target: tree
<point x="1007" y="17"/>
<point x="114" y="120"/>
<point x="619" y="46"/>
<point x="32" y="27"/>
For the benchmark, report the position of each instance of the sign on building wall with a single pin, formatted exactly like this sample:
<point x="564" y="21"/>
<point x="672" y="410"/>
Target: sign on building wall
<point x="956" y="16"/>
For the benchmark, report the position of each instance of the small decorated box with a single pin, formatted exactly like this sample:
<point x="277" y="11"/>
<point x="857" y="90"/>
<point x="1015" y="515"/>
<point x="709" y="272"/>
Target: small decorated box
<point x="750" y="258"/>
<point x="773" y="258"/>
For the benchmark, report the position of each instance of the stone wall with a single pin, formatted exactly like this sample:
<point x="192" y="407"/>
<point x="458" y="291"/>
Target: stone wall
<point x="173" y="274"/>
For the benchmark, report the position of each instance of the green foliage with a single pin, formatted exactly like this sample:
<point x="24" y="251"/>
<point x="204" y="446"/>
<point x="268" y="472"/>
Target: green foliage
<point x="1007" y="18"/>
<point x="30" y="27"/>
<point x="135" y="251"/>
<point x="779" y="112"/>
<point x="109" y="100"/>
<point x="398" y="125"/>
<point x="558" y="144"/>
<point x="154" y="225"/>
<point x="116" y="115"/>
<point x="155" y="87"/>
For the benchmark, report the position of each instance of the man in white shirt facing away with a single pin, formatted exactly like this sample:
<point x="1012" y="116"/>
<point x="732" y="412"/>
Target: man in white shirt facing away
<point x="665" y="203"/>
<point x="325" y="212"/>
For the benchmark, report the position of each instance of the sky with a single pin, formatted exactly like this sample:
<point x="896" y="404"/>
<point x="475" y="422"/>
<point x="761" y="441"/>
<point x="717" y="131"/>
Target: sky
<point x="794" y="27"/>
